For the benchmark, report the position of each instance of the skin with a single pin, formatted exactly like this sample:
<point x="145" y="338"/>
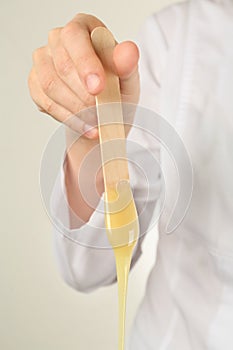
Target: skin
<point x="64" y="79"/>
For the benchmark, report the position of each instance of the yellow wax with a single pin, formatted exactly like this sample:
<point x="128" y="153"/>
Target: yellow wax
<point x="122" y="229"/>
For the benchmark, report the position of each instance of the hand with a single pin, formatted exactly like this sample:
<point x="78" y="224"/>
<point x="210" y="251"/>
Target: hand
<point x="67" y="74"/>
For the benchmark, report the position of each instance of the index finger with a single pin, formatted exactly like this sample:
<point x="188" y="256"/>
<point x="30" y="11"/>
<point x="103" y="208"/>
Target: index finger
<point x="75" y="37"/>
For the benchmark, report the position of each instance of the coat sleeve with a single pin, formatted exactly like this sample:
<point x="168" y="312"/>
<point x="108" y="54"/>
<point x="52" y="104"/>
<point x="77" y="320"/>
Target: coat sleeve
<point x="84" y="257"/>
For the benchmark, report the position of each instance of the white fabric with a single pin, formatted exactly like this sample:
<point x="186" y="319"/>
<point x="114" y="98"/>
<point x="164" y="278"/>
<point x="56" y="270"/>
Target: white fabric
<point x="187" y="76"/>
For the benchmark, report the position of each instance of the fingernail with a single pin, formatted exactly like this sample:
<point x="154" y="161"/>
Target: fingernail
<point x="90" y="131"/>
<point x="92" y="82"/>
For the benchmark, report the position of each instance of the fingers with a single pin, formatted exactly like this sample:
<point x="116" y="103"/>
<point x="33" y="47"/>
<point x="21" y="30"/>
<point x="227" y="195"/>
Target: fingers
<point x="66" y="69"/>
<point x="44" y="103"/>
<point x="52" y="85"/>
<point x="75" y="38"/>
<point x="67" y="73"/>
<point x="49" y="106"/>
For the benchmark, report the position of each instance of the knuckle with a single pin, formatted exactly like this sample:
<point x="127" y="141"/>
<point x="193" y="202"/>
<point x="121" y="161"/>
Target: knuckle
<point x="47" y="84"/>
<point x="35" y="55"/>
<point x="38" y="54"/>
<point x="82" y="17"/>
<point x="93" y="20"/>
<point x="64" y="67"/>
<point x="48" y="107"/>
<point x="87" y="19"/>
<point x="53" y="34"/>
<point x="32" y="84"/>
<point x="69" y="30"/>
<point x="41" y="109"/>
<point x="30" y="80"/>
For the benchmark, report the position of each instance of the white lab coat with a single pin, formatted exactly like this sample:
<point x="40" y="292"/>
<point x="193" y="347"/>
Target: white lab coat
<point x="187" y="77"/>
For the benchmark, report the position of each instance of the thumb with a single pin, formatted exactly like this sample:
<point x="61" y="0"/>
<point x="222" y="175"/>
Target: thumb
<point x="125" y="58"/>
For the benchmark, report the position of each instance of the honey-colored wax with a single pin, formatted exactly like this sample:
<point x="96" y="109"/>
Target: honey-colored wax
<point x="121" y="222"/>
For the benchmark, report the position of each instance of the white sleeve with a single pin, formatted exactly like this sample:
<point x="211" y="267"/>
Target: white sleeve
<point x="153" y="44"/>
<point x="83" y="255"/>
